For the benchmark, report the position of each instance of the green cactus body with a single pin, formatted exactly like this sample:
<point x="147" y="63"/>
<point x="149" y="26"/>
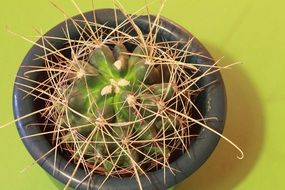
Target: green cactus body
<point x="115" y="88"/>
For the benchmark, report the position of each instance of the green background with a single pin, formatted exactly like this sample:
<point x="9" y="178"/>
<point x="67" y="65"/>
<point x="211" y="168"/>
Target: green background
<point x="248" y="31"/>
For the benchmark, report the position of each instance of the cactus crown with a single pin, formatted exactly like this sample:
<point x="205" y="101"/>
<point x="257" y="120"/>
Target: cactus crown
<point x="119" y="111"/>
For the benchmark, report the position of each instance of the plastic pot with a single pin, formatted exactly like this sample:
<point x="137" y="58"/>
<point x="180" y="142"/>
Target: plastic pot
<point x="211" y="102"/>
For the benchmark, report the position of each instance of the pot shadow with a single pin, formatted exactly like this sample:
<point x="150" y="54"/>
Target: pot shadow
<point x="244" y="126"/>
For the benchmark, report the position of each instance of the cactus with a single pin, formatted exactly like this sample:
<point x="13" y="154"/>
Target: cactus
<point x="115" y="88"/>
<point x="118" y="102"/>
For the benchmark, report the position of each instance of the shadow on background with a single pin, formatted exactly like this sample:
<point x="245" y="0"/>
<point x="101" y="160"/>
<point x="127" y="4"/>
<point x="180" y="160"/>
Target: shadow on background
<point x="244" y="126"/>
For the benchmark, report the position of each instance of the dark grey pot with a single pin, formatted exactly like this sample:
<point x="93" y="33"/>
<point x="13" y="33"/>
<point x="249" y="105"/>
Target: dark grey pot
<point x="211" y="102"/>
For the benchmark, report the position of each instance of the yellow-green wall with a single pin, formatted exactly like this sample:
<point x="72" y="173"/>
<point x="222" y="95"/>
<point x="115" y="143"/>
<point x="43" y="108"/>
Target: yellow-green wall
<point x="248" y="31"/>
